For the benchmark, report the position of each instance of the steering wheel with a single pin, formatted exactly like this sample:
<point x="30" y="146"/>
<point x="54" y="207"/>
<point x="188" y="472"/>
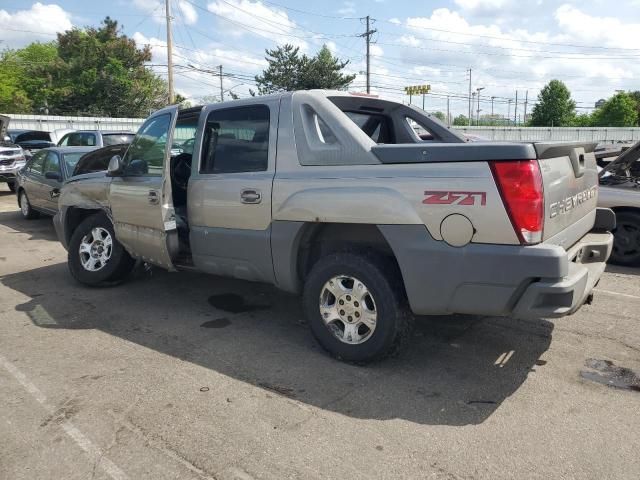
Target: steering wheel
<point x="181" y="170"/>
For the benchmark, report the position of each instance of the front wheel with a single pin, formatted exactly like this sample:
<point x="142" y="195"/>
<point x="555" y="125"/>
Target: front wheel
<point x="356" y="307"/>
<point x="95" y="257"/>
<point x="626" y="239"/>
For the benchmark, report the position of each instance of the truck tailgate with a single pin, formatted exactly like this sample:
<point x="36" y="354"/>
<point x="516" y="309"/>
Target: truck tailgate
<point x="570" y="181"/>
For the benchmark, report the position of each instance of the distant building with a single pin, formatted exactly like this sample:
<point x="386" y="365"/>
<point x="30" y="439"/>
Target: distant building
<point x="600" y="103"/>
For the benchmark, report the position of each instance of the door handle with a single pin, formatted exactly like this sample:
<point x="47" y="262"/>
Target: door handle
<point x="153" y="197"/>
<point x="250" y="195"/>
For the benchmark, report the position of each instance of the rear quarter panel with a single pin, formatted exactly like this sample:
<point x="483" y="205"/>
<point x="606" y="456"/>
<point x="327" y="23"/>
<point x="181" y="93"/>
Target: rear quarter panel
<point x="395" y="195"/>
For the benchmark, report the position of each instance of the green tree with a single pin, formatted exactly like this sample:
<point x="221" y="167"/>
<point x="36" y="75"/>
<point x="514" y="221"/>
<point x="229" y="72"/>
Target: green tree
<point x="325" y="71"/>
<point x="461" y="121"/>
<point x="101" y="71"/>
<point x="554" y="108"/>
<point x="439" y="115"/>
<point x="582" y="120"/>
<point x="619" y="111"/>
<point x="13" y="97"/>
<point x="96" y="71"/>
<point x="635" y="95"/>
<point x="287" y="70"/>
<point x="24" y="79"/>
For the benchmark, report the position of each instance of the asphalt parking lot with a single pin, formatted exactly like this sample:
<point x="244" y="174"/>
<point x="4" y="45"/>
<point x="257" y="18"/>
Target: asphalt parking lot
<point x="190" y="376"/>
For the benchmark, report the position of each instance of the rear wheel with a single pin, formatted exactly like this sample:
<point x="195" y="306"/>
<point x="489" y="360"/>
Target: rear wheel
<point x="12" y="186"/>
<point x="356" y="307"/>
<point x="626" y="239"/>
<point x="25" y="207"/>
<point x="95" y="257"/>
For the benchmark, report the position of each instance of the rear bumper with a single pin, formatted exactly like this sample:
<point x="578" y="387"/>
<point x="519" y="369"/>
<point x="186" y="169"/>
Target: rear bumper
<point x="557" y="297"/>
<point x="525" y="281"/>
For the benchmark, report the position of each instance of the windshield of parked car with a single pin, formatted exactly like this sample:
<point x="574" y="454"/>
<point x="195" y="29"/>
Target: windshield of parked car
<point x="29" y="136"/>
<point x="70" y="160"/>
<point x="117" y="138"/>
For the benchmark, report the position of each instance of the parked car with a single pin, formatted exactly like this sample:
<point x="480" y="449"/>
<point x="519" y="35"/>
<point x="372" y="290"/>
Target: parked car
<point x="620" y="191"/>
<point x="95" y="138"/>
<point x="12" y="157"/>
<point x="98" y="160"/>
<point x="30" y="140"/>
<point x="335" y="196"/>
<point x="38" y="183"/>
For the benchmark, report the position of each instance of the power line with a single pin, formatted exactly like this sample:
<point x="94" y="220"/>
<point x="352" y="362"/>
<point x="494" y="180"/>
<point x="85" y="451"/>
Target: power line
<point x="514" y="40"/>
<point x="495" y="54"/>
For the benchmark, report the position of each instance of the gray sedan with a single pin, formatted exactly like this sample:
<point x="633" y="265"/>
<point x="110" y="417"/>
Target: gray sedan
<point x="38" y="183"/>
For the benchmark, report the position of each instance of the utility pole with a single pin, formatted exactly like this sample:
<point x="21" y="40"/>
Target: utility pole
<point x="448" y="114"/>
<point x="221" y="90"/>
<point x="169" y="51"/>
<point x="515" y="111"/>
<point x="473" y="99"/>
<point x="479" y="89"/>
<point x="492" y="98"/>
<point x="423" y="101"/>
<point x="526" y="100"/>
<point x="470" y="103"/>
<point x="509" y="110"/>
<point x="367" y="35"/>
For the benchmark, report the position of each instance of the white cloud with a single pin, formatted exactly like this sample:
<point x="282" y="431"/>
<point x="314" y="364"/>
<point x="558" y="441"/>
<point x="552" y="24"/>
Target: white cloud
<point x="186" y="12"/>
<point x="236" y="17"/>
<point x="40" y="22"/>
<point x="395" y="21"/>
<point x="509" y="56"/>
<point x="482" y="5"/>
<point x="348" y="8"/>
<point x="601" y="31"/>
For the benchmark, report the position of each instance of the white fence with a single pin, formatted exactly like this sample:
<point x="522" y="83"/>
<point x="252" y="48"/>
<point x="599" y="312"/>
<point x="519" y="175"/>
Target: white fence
<point x="49" y="123"/>
<point x="588" y="134"/>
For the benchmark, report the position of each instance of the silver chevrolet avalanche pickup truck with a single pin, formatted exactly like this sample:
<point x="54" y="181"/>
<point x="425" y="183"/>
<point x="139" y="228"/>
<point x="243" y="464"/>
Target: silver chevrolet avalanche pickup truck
<point x="373" y="210"/>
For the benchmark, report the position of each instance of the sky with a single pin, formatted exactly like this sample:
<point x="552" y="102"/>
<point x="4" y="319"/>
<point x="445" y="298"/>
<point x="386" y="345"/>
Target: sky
<point x="509" y="45"/>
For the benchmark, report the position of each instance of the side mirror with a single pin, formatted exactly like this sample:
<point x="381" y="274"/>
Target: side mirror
<point x="53" y="176"/>
<point x="115" y="166"/>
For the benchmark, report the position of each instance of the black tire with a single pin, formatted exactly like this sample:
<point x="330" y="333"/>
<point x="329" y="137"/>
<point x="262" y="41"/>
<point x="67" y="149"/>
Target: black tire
<point x="118" y="266"/>
<point x="381" y="277"/>
<point x="12" y="186"/>
<point x="626" y="239"/>
<point x="26" y="209"/>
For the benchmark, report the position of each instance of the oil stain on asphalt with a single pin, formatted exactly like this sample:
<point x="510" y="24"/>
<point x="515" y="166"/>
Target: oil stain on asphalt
<point x="217" y="323"/>
<point x="233" y="303"/>
<point x="609" y="374"/>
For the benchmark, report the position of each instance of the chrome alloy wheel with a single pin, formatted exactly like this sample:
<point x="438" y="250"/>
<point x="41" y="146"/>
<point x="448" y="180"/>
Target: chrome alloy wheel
<point x="24" y="204"/>
<point x="95" y="249"/>
<point x="348" y="309"/>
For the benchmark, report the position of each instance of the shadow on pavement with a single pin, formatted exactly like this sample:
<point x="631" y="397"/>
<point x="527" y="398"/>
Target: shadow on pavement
<point x="457" y="370"/>
<point x="40" y="228"/>
<point x="623" y="270"/>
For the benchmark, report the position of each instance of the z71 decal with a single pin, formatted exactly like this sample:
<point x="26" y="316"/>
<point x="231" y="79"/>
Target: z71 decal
<point x="455" y="198"/>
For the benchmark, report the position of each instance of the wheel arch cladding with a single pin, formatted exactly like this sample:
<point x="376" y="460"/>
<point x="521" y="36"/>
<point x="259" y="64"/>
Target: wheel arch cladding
<point x="296" y="246"/>
<point x="74" y="216"/>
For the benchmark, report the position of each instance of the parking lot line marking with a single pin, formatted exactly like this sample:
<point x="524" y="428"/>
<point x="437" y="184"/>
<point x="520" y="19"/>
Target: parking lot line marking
<point x="76" y="435"/>
<point x="617" y="293"/>
<point x="504" y="358"/>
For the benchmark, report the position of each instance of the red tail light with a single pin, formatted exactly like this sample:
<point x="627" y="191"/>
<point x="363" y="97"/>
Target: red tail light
<point x="520" y="186"/>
